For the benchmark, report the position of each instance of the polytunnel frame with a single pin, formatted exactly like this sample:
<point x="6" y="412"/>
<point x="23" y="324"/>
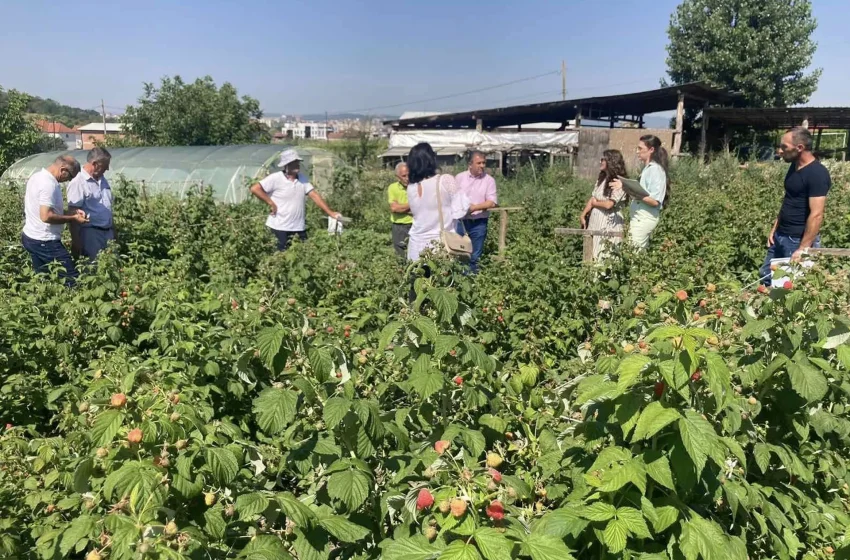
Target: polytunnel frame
<point x="248" y="162"/>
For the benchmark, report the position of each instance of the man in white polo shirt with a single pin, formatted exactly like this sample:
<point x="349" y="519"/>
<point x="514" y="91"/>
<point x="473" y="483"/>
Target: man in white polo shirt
<point x="286" y="193"/>
<point x="44" y="217"/>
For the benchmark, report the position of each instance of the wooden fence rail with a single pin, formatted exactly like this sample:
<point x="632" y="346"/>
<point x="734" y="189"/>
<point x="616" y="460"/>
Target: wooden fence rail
<point x="588" y="234"/>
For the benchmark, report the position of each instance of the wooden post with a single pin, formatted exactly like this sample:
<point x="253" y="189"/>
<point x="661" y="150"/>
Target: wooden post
<point x="563" y="80"/>
<point x="479" y="125"/>
<point x="578" y="116"/>
<point x="502" y="164"/>
<point x="703" y="133"/>
<point x="587" y="241"/>
<point x="503" y="225"/>
<point x="817" y="140"/>
<point x="503" y="233"/>
<point x="551" y="159"/>
<point x="680" y="117"/>
<point x="611" y="117"/>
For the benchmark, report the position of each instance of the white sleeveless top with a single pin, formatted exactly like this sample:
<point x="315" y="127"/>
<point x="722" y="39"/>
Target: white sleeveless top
<point x="426" y="217"/>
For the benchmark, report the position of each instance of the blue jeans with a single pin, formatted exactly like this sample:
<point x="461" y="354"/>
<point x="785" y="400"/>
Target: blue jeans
<point x="782" y="248"/>
<point x="477" y="232"/>
<point x="94" y="240"/>
<point x="284" y="238"/>
<point x="45" y="252"/>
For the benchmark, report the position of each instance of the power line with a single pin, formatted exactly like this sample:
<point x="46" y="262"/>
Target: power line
<point x="488" y="88"/>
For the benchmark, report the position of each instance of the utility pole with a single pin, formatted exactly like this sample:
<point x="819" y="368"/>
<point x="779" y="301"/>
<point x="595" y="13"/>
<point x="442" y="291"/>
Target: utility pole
<point x="563" y="80"/>
<point x="103" y="114"/>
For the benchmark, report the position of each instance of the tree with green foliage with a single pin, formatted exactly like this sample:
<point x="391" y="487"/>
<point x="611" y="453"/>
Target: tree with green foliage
<point x="761" y="48"/>
<point x="51" y="110"/>
<point x="194" y="114"/>
<point x="19" y="136"/>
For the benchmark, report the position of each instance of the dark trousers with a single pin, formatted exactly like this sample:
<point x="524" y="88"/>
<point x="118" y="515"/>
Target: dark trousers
<point x="45" y="252"/>
<point x="782" y="248"/>
<point x="285" y="237"/>
<point x="477" y="232"/>
<point x="94" y="240"/>
<point x="401" y="232"/>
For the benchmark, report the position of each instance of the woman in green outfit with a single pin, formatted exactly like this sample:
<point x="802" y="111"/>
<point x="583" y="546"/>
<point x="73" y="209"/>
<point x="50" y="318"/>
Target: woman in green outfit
<point x="654" y="179"/>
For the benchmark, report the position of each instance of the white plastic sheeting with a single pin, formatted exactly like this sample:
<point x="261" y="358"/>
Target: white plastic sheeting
<point x="177" y="169"/>
<point x="445" y="141"/>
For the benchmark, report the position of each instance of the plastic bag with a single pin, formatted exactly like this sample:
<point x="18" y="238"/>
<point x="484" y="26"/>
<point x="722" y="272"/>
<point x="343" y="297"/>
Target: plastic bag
<point x="783" y="271"/>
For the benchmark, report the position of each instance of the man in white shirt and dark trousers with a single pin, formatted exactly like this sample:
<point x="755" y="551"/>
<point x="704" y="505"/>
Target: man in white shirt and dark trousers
<point x="44" y="217"/>
<point x="286" y="194"/>
<point x="91" y="193"/>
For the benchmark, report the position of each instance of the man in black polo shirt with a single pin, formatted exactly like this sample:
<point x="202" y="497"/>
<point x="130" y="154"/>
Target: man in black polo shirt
<point x="798" y="226"/>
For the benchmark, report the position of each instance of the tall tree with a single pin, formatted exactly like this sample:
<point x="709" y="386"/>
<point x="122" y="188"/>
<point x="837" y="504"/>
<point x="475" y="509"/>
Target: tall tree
<point x="761" y="48"/>
<point x="19" y="137"/>
<point x="195" y="114"/>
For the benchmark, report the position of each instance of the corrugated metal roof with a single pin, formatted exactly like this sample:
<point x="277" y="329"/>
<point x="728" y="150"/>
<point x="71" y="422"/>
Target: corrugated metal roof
<point x="99" y="127"/>
<point x="782" y="117"/>
<point x="418" y="114"/>
<point x="631" y="104"/>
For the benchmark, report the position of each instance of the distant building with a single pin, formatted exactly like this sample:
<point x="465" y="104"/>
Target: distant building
<point x="305" y="130"/>
<point x="94" y="133"/>
<point x="270" y="122"/>
<point x="53" y="129"/>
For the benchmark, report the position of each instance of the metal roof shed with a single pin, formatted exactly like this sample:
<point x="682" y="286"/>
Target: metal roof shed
<point x="630" y="107"/>
<point x="779" y="118"/>
<point x="783" y="117"/>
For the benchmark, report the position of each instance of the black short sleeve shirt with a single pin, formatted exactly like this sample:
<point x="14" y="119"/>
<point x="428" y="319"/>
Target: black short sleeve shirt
<point x="812" y="181"/>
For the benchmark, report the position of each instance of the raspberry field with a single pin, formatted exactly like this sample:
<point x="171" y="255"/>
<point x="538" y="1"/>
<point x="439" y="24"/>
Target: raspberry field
<point x="202" y="396"/>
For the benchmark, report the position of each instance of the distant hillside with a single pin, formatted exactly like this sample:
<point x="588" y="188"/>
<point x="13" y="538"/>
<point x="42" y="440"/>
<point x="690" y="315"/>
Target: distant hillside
<point x="49" y="109"/>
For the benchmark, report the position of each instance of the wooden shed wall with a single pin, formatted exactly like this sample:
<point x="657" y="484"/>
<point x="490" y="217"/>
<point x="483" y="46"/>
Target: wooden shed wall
<point x="593" y="141"/>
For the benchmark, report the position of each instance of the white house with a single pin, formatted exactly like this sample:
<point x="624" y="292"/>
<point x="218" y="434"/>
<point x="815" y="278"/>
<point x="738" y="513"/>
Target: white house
<point x="52" y="129"/>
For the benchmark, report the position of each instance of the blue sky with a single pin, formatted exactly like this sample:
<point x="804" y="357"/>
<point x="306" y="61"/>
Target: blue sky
<point x="335" y="55"/>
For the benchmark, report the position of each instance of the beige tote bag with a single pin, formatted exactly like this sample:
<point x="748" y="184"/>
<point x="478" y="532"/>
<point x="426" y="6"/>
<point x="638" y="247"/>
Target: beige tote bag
<point x="454" y="244"/>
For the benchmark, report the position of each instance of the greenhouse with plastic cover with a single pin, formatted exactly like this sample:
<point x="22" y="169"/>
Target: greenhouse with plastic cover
<point x="176" y="170"/>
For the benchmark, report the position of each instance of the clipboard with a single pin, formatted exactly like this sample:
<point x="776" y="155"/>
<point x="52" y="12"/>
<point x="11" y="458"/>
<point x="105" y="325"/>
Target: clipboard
<point x="633" y="188"/>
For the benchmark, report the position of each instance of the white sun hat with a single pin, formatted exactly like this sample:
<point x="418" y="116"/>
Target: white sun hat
<point x="287" y="157"/>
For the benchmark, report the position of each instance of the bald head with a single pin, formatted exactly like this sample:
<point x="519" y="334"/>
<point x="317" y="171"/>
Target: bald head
<point x="64" y="168"/>
<point x="402" y="172"/>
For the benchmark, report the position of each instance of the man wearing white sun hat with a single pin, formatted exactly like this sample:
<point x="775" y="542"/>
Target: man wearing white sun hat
<point x="285" y="192"/>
